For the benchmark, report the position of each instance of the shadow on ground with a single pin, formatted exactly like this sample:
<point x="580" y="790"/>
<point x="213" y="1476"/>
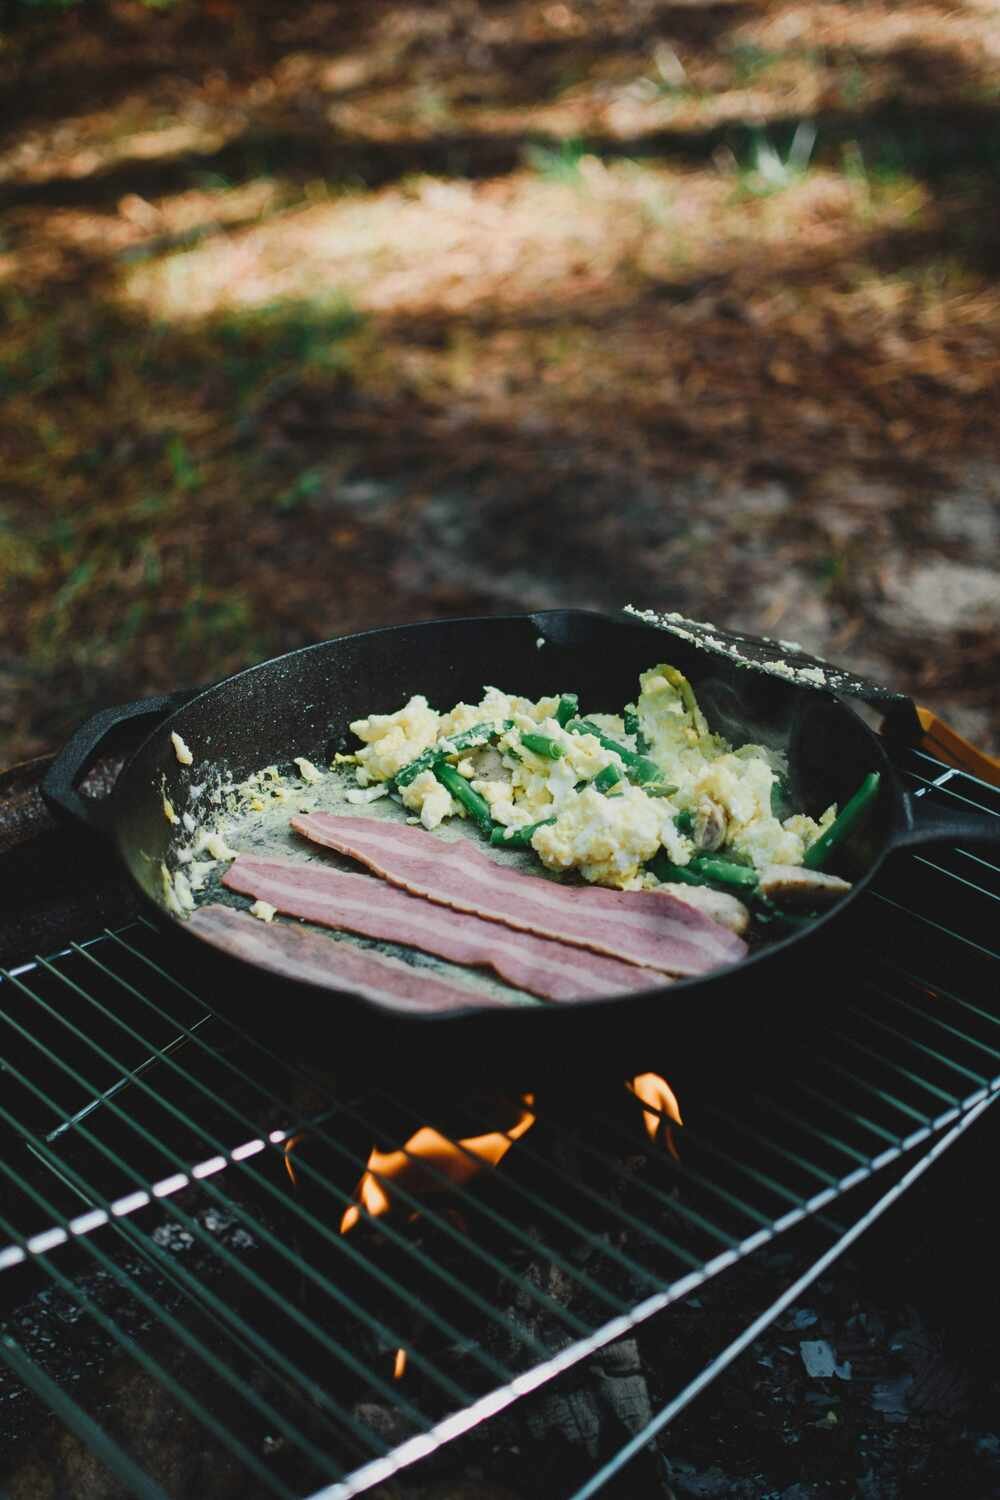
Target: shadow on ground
<point x="724" y="435"/>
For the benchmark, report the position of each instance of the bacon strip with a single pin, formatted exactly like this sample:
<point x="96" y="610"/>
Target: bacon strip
<point x="356" y="903"/>
<point x="642" y="927"/>
<point x="297" y="953"/>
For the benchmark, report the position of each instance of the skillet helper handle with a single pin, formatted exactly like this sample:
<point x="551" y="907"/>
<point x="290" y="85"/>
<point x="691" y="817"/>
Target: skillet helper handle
<point x="927" y="822"/>
<point x="59" y="786"/>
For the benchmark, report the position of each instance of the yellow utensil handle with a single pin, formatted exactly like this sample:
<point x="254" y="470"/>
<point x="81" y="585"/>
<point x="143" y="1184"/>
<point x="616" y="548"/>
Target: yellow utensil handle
<point x="948" y="745"/>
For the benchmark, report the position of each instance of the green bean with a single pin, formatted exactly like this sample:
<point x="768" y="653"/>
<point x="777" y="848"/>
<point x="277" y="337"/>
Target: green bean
<point x="607" y="778"/>
<point x="637" y="767"/>
<point x="467" y="739"/>
<point x="516" y="838"/>
<point x="634" y="728"/>
<point x="684" y="822"/>
<point x="705" y="870"/>
<point x="679" y="681"/>
<point x="662" y="868"/>
<point x="642" y="771"/>
<point x="463" y="792"/>
<point x="659" y="791"/>
<point x="569" y="707"/>
<point x="542" y="745"/>
<point x="816" y="855"/>
<point x="724" y="871"/>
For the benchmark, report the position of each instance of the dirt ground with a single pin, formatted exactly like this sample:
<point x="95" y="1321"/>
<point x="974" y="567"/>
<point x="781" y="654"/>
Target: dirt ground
<point x="322" y="316"/>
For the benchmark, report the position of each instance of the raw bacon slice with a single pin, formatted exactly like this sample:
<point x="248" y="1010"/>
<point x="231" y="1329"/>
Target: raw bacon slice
<point x="357" y="903"/>
<point x="296" y="953"/>
<point x="643" y="927"/>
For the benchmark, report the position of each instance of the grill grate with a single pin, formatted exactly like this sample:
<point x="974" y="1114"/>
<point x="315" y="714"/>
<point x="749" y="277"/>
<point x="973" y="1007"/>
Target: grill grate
<point x="150" y="1209"/>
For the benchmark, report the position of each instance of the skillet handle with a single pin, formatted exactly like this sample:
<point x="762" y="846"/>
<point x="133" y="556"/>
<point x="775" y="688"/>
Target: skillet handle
<point x="926" y="822"/>
<point x="59" y="785"/>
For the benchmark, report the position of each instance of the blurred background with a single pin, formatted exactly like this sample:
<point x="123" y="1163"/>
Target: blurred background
<point x="332" y="314"/>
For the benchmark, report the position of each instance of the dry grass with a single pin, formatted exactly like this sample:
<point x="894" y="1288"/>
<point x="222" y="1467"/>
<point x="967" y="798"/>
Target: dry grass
<point x="355" y="313"/>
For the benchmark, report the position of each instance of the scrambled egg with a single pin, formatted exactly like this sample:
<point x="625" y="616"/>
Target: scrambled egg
<point x="496" y="706"/>
<point x="307" y="770"/>
<point x="711" y="797"/>
<point x="710" y="776"/>
<point x="393" y="740"/>
<point x="426" y="796"/>
<point x="181" y="750"/>
<point x="608" y="839"/>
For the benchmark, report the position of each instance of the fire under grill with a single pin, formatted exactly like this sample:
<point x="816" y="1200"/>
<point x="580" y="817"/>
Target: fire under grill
<point x="192" y="1239"/>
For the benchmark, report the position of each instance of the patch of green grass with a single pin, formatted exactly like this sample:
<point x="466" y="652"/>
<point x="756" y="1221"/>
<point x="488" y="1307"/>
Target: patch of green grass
<point x="18" y="557"/>
<point x="939" y="276"/>
<point x="831" y="570"/>
<point x="904" y="146"/>
<point x="431" y="106"/>
<point x="127" y="445"/>
<point x="764" y="168"/>
<point x="300" y="491"/>
<point x="557" y="161"/>
<point x="854" y="85"/>
<point x="259" y="344"/>
<point x="749" y="61"/>
<point x="670" y="77"/>
<point x="213" y="618"/>
<point x="131" y="624"/>
<point x="183" y="470"/>
<point x="36" y="367"/>
<point x="883" y="160"/>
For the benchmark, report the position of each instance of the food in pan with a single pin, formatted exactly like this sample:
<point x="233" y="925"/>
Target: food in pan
<point x="298" y="953"/>
<point x="637" y="801"/>
<point x="669" y="835"/>
<point x="640" y="927"/>
<point x="334" y="898"/>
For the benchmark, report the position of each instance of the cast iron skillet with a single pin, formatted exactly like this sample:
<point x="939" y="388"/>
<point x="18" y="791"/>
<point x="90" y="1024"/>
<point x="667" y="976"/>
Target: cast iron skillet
<point x="302" y="703"/>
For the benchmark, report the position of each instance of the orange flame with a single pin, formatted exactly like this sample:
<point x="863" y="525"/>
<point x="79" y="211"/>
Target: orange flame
<point x="653" y="1090"/>
<point x="289" y="1147"/>
<point x="454" y="1163"/>
<point x="399" y="1367"/>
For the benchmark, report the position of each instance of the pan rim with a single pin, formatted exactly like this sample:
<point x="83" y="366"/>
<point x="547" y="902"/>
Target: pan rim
<point x="889" y="798"/>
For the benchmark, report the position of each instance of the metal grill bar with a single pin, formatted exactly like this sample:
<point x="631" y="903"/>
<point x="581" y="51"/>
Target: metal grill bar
<point x="416" y="1204"/>
<point x="207" y="1355"/>
<point x="124" y="1074"/>
<point x="553" y="1211"/>
<point x="927" y="921"/>
<point x="197" y="1084"/>
<point x="252" y="1338"/>
<point x="509" y="1226"/>
<point x="78" y="1422"/>
<point x="787" y="1299"/>
<point x="326" y="1285"/>
<point x="373" y="1126"/>
<point x="163" y="1376"/>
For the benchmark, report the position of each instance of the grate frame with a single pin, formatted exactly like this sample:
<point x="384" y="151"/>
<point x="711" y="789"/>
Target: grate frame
<point x="124" y="1116"/>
